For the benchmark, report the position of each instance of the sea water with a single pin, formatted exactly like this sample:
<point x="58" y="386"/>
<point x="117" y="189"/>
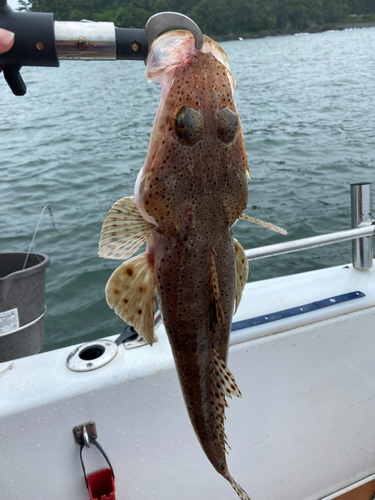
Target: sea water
<point x="80" y="135"/>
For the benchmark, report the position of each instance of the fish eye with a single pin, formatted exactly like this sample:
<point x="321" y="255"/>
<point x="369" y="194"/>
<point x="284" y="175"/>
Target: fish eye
<point x="227" y="125"/>
<point x="189" y="125"/>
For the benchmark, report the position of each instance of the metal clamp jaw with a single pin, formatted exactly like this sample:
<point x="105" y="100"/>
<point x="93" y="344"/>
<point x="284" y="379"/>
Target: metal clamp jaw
<point x="42" y="41"/>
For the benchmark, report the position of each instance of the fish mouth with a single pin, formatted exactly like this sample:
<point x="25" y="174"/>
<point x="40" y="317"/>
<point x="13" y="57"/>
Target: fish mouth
<point x="176" y="48"/>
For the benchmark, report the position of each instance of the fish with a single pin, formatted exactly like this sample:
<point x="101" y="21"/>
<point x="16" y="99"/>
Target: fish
<point x="188" y="195"/>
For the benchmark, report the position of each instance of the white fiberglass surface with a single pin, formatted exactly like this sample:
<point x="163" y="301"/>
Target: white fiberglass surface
<point x="302" y="430"/>
<point x="269" y="296"/>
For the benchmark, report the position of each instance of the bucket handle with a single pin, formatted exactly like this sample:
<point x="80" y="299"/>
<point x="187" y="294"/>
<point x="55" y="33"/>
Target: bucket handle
<point x="25" y="326"/>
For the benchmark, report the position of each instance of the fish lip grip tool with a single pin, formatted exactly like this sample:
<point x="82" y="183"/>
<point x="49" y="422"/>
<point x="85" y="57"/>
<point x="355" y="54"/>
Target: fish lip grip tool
<point x="42" y="41"/>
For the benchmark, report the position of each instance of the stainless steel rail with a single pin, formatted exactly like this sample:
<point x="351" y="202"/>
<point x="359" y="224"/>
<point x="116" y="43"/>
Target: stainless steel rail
<point x="360" y="195"/>
<point x="314" y="241"/>
<point x="362" y="232"/>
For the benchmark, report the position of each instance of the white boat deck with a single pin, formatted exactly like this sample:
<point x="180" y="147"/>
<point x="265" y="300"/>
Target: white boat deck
<point x="304" y="429"/>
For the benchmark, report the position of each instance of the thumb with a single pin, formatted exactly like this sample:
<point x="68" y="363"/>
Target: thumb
<point x="6" y="40"/>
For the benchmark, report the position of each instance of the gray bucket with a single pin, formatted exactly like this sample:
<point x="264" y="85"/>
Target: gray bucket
<point x="22" y="306"/>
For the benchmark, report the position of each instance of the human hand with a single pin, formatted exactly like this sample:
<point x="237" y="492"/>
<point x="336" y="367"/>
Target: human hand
<point x="6" y="41"/>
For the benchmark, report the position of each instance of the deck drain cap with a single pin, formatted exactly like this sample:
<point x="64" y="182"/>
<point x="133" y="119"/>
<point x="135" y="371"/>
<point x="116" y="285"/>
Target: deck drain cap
<point x="91" y="355"/>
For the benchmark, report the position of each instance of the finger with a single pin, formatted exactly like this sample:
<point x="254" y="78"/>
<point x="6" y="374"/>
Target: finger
<point x="6" y="40"/>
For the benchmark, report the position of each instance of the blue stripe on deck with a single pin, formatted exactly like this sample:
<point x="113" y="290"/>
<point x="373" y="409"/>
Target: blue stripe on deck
<point x="295" y="311"/>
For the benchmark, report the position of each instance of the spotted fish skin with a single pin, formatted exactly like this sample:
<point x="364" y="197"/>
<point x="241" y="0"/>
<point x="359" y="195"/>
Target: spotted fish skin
<point x="195" y="193"/>
<point x="191" y="190"/>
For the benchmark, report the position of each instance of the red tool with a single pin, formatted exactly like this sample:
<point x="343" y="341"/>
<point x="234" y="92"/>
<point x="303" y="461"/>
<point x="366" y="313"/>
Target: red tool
<point x="101" y="485"/>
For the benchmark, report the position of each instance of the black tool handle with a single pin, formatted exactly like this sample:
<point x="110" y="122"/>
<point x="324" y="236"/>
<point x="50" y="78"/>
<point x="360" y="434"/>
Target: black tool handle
<point x="42" y="41"/>
<point x="34" y="44"/>
<point x="131" y="43"/>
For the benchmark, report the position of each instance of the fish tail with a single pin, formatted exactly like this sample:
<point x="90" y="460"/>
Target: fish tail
<point x="237" y="488"/>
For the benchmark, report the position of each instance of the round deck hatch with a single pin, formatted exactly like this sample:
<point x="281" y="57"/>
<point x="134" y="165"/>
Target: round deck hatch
<point x="91" y="355"/>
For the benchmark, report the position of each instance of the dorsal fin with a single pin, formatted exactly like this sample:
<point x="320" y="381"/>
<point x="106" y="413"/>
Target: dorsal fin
<point x="124" y="231"/>
<point x="130" y="291"/>
<point x="223" y="377"/>
<point x="222" y="384"/>
<point x="217" y="314"/>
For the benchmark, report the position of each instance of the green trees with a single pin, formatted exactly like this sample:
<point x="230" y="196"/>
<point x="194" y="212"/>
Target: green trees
<point x="334" y="10"/>
<point x="215" y="17"/>
<point x="361" y="6"/>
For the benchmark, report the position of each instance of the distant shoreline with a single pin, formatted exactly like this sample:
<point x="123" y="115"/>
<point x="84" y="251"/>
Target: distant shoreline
<point x="317" y="29"/>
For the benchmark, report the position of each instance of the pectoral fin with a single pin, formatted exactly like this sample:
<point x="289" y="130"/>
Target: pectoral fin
<point x="124" y="231"/>
<point x="242" y="270"/>
<point x="130" y="291"/>
<point x="267" y="225"/>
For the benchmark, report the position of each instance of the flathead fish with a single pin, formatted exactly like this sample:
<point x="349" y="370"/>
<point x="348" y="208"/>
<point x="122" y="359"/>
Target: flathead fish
<point x="188" y="195"/>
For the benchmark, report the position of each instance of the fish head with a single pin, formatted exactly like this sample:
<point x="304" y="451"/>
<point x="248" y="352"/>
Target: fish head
<point x="197" y="149"/>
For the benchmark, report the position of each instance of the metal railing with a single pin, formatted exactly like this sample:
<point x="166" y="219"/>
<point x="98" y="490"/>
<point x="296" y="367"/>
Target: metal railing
<point x="361" y="234"/>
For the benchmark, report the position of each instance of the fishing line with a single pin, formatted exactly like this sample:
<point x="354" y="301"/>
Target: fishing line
<point x="37" y="227"/>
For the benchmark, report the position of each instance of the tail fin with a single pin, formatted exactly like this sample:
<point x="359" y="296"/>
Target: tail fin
<point x="237" y="488"/>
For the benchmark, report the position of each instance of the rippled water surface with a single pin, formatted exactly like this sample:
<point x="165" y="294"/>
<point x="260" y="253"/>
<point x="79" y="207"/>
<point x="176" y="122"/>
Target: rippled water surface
<point x="79" y="137"/>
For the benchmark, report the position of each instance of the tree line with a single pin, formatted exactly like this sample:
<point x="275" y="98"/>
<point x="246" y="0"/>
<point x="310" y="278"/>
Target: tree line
<point x="214" y="17"/>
